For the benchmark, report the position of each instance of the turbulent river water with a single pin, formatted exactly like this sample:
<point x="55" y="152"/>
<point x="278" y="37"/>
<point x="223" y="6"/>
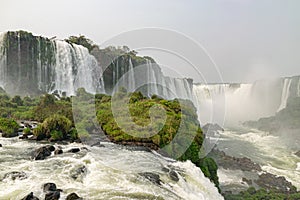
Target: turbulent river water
<point x="274" y="152"/>
<point x="112" y="173"/>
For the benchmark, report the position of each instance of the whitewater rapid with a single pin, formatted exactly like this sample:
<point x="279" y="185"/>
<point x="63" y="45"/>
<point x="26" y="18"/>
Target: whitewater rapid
<point x="112" y="173"/>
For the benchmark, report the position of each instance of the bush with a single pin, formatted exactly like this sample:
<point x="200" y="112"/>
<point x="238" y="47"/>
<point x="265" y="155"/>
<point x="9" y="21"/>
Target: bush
<point x="55" y="127"/>
<point x="8" y="127"/>
<point x="26" y="131"/>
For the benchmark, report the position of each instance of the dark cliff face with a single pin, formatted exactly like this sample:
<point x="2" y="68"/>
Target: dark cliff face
<point x="26" y="57"/>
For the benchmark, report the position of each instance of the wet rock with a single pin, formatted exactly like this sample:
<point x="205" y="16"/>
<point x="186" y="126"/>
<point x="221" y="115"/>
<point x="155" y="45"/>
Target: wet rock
<point x="74" y="150"/>
<point x="58" y="151"/>
<point x="15" y="175"/>
<point x="52" y="195"/>
<point x="49" y="187"/>
<point x="0" y="145"/>
<point x="43" y="152"/>
<point x="233" y="163"/>
<point x="174" y="176"/>
<point x="30" y="196"/>
<point x="164" y="169"/>
<point x="154" y="178"/>
<point x="79" y="172"/>
<point x="248" y="181"/>
<point x="273" y="182"/>
<point x="297" y="153"/>
<point x="73" y="196"/>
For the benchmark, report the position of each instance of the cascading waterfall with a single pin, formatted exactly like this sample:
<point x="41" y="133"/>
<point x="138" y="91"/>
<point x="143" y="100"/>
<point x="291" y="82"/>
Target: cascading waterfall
<point x="46" y="65"/>
<point x="2" y="61"/>
<point x="285" y="93"/>
<point x="131" y="78"/>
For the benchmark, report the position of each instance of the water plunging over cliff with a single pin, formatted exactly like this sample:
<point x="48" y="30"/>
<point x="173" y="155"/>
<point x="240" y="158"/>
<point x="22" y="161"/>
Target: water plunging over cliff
<point x="31" y="64"/>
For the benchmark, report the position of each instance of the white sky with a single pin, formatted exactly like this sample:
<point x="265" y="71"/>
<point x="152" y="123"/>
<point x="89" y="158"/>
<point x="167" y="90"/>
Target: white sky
<point x="248" y="39"/>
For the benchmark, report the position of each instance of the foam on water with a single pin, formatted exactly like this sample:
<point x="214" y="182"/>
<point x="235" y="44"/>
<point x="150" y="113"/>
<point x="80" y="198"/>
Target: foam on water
<point x="112" y="173"/>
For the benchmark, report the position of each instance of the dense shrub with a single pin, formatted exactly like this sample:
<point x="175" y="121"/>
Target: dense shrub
<point x="8" y="127"/>
<point x="55" y="127"/>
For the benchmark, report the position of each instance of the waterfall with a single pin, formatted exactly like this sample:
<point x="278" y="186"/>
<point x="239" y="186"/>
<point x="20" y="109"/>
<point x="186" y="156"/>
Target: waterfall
<point x="298" y="88"/>
<point x="235" y="103"/>
<point x="131" y="78"/>
<point x="285" y="93"/>
<point x="2" y="61"/>
<point x="46" y="66"/>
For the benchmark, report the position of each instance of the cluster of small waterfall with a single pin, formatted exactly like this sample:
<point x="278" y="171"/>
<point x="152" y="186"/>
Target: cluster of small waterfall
<point x="35" y="63"/>
<point x="29" y="64"/>
<point x="233" y="103"/>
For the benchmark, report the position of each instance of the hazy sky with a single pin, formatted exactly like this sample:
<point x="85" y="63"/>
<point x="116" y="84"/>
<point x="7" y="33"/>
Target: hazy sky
<point x="248" y="39"/>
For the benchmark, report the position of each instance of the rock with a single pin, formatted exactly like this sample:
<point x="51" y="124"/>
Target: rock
<point x="74" y="150"/>
<point x="58" y="151"/>
<point x="154" y="178"/>
<point x="52" y="195"/>
<point x="297" y="153"/>
<point x="15" y="175"/>
<point x="79" y="173"/>
<point x="248" y="181"/>
<point x="210" y="128"/>
<point x="30" y="196"/>
<point x="273" y="182"/>
<point x="174" y="176"/>
<point x="43" y="152"/>
<point x="73" y="196"/>
<point x="233" y="163"/>
<point x="0" y="145"/>
<point x="165" y="169"/>
<point x="49" y="187"/>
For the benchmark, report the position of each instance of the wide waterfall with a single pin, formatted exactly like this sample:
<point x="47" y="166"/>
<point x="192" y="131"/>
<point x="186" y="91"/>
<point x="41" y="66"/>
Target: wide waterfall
<point x="31" y="65"/>
<point x="234" y="103"/>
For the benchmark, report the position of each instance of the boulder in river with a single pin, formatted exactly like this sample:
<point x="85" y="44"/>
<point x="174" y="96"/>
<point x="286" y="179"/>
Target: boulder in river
<point x="74" y="150"/>
<point x="154" y="178"/>
<point x="53" y="195"/>
<point x="173" y="175"/>
<point x="43" y="152"/>
<point x="297" y="153"/>
<point x="58" y="151"/>
<point x="73" y="196"/>
<point x="15" y="175"/>
<point x="30" y="196"/>
<point x="49" y="187"/>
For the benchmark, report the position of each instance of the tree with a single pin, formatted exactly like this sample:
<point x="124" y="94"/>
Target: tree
<point x="81" y="40"/>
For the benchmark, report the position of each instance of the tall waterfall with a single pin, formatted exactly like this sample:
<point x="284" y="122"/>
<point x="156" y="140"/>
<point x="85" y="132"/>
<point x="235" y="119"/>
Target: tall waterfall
<point x="285" y="93"/>
<point x="29" y="64"/>
<point x="298" y="88"/>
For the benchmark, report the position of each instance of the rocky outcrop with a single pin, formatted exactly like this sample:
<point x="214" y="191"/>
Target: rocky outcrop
<point x="273" y="182"/>
<point x="297" y="153"/>
<point x="233" y="163"/>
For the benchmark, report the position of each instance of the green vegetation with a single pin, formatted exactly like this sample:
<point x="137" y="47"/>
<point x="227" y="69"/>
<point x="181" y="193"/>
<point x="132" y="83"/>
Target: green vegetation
<point x="252" y="194"/>
<point x="81" y="40"/>
<point x="137" y="129"/>
<point x="8" y="127"/>
<point x="56" y="127"/>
